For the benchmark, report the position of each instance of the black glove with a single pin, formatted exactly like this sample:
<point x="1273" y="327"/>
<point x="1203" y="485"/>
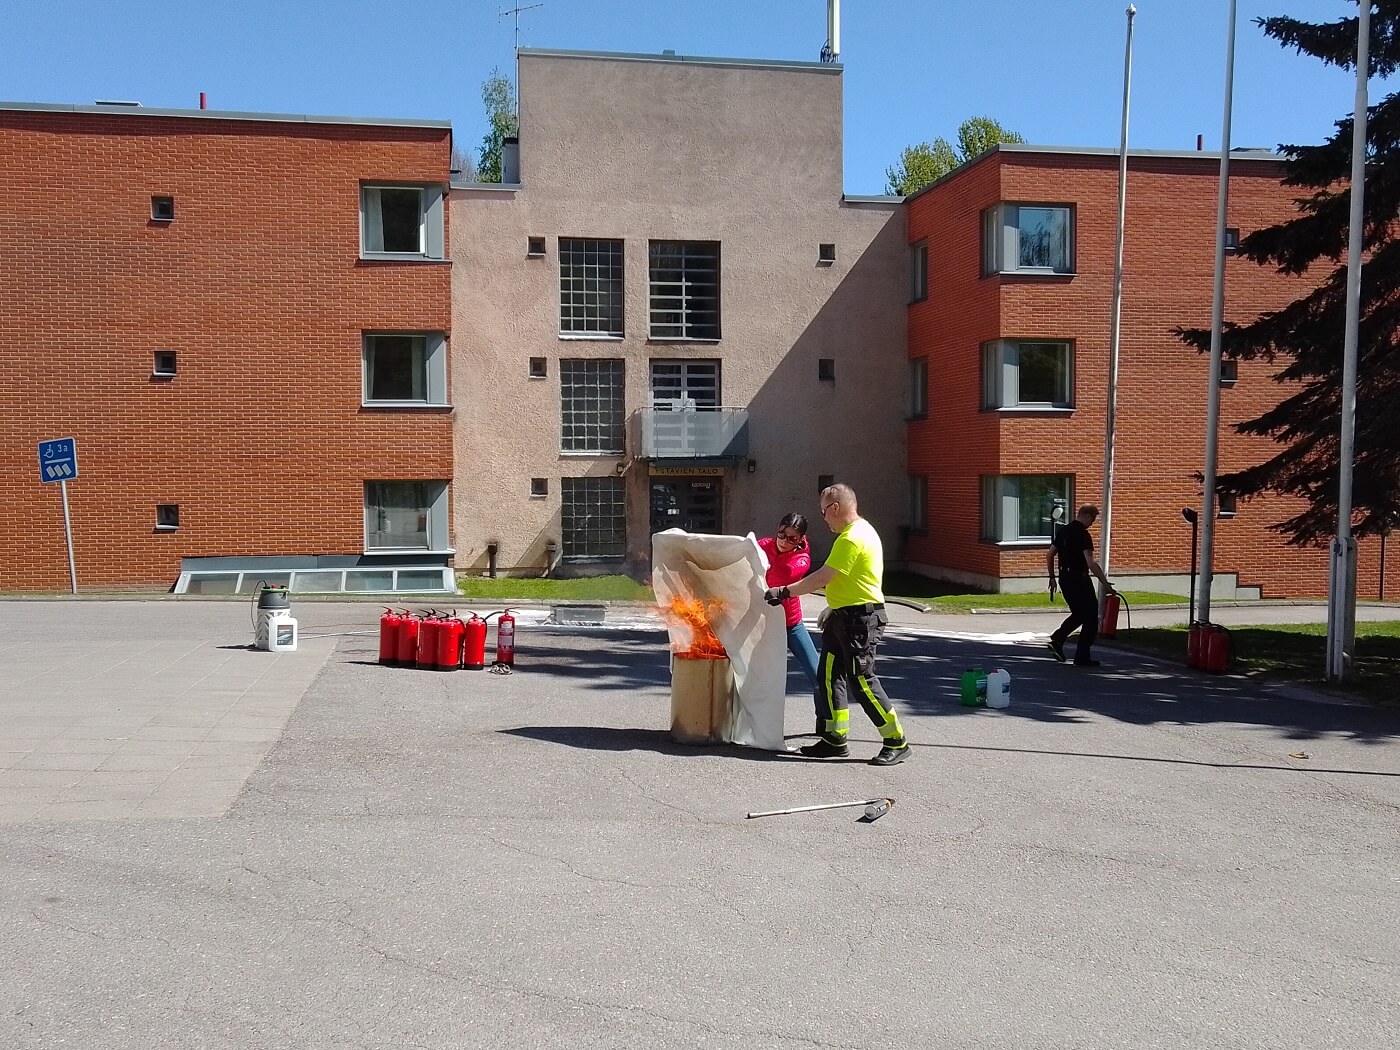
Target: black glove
<point x="776" y="595"/>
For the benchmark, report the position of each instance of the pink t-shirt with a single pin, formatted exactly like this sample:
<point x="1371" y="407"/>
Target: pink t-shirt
<point x="784" y="569"/>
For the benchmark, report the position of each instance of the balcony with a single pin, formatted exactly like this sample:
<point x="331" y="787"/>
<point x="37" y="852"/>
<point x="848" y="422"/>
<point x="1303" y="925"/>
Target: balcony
<point x="694" y="433"/>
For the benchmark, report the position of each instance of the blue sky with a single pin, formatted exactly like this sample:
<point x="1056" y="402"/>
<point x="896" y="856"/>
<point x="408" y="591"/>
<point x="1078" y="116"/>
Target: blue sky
<point x="1050" y="69"/>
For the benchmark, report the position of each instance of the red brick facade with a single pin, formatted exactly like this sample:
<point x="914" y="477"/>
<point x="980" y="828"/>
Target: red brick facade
<point x="1162" y="385"/>
<point x="257" y="285"/>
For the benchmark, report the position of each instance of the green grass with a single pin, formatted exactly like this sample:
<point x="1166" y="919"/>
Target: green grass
<point x="952" y="597"/>
<point x="1293" y="652"/>
<point x="584" y="589"/>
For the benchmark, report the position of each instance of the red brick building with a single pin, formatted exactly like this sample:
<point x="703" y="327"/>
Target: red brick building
<point x="242" y="320"/>
<point x="1012" y="260"/>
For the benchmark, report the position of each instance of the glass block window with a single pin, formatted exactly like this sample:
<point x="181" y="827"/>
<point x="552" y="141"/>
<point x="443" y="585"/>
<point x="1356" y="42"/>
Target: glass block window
<point x="590" y="392"/>
<point x="685" y="289"/>
<point x="590" y="287"/>
<point x="593" y="517"/>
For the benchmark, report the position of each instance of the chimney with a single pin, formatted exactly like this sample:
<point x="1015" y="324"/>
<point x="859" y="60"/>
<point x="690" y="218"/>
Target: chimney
<point x="1200" y="143"/>
<point x="203" y="101"/>
<point x="510" y="161"/>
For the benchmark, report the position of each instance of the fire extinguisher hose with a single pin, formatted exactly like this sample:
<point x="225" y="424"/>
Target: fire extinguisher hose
<point x="1127" y="612"/>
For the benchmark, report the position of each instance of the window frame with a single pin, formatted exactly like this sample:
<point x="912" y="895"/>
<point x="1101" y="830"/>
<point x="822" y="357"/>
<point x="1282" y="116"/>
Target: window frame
<point x="692" y="255"/>
<point x="581" y="252"/>
<point x="434" y="514"/>
<point x="432" y="239"/>
<point x="1001" y="367"/>
<point x="570" y="514"/>
<point x="167" y="517"/>
<point x="591" y="374"/>
<point x="918" y="388"/>
<point x="434" y="369"/>
<point x="997" y="491"/>
<point x="918" y="272"/>
<point x="918" y="503"/>
<point x="997" y="237"/>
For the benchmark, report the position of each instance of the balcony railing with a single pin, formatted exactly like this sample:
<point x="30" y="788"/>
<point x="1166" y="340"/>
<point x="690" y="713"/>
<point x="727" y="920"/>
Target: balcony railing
<point x="694" y="433"/>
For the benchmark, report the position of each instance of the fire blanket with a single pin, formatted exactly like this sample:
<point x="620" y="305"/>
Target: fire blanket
<point x="724" y="575"/>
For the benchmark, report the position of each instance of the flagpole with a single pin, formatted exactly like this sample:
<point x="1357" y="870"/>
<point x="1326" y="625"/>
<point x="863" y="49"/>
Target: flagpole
<point x="1341" y="590"/>
<point x="1217" y="324"/>
<point x="1115" y="322"/>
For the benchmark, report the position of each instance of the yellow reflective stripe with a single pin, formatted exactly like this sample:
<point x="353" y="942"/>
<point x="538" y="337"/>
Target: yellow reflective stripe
<point x="890" y="728"/>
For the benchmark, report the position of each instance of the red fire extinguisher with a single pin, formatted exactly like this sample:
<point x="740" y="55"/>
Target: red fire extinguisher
<point x="408" y="639"/>
<point x="449" y="644"/>
<point x="474" y="643"/>
<point x="427" y="640"/>
<point x="505" y="640"/>
<point x="1108" y="621"/>
<point x="389" y="637"/>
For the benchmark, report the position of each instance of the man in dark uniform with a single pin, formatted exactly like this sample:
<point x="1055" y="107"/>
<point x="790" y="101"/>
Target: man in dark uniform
<point x="1075" y="548"/>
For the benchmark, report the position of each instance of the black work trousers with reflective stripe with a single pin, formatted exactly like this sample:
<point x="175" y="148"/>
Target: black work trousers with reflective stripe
<point x="1078" y="589"/>
<point x="847" y="666"/>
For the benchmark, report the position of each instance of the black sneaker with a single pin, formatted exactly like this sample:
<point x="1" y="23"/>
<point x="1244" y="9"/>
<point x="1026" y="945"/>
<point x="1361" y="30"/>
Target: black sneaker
<point x="1057" y="648"/>
<point x="890" y="756"/>
<point x="824" y="749"/>
<point x="1087" y="663"/>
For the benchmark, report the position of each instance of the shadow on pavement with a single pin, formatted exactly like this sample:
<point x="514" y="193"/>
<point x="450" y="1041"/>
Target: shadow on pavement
<point x="603" y="738"/>
<point x="1299" y="769"/>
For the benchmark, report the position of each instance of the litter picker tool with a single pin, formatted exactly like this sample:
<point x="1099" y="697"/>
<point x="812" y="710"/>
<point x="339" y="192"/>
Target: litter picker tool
<point x="875" y="808"/>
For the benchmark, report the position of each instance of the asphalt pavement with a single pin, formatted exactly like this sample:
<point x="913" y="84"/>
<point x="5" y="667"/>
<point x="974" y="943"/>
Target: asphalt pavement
<point x="322" y="852"/>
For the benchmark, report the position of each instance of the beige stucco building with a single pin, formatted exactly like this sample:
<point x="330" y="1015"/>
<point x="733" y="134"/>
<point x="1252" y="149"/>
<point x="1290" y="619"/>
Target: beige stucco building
<point x="671" y="315"/>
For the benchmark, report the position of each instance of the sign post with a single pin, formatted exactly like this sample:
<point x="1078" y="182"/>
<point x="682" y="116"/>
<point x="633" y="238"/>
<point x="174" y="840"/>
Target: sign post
<point x="58" y="461"/>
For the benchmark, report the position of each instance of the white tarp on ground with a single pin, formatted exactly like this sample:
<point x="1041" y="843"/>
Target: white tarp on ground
<point x="726" y="574"/>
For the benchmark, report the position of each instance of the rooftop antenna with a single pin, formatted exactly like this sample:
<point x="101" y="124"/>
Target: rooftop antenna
<point x="831" y="50"/>
<point x="515" y="12"/>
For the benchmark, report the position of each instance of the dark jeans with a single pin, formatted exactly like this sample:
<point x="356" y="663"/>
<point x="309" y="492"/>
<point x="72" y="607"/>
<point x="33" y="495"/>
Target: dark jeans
<point x="1078" y="589"/>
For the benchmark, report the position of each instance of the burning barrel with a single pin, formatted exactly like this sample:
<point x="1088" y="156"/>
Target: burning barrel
<point x="702" y="681"/>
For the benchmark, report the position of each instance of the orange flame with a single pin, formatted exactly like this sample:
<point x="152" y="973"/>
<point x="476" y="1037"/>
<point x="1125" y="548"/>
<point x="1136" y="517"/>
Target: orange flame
<point x="691" y="617"/>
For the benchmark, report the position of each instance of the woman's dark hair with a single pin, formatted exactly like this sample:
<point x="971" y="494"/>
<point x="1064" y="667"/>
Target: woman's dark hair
<point x="794" y="521"/>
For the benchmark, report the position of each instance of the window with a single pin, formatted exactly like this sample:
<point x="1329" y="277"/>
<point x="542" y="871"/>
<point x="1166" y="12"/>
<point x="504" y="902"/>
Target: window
<point x="826" y="369"/>
<point x="405" y="368"/>
<point x="824" y="482"/>
<point x="918" y="503"/>
<point x="539" y="488"/>
<point x="1227" y="503"/>
<point x="539" y="368"/>
<point x="1024" y="508"/>
<point x="1020" y="373"/>
<point x="1229" y="371"/>
<point x="826" y="254"/>
<point x="684" y="289"/>
<point x="405" y="515"/>
<point x="401" y="222"/>
<point x="163" y="365"/>
<point x="918" y="389"/>
<point x="590" y="393"/>
<point x="592" y="518"/>
<point x="167" y="517"/>
<point x="162" y="209"/>
<point x="918" y="272"/>
<point x="684" y="384"/>
<point x="534" y="247"/>
<point x="1028" y="238"/>
<point x="590" y="287"/>
<point x="1232" y="240"/>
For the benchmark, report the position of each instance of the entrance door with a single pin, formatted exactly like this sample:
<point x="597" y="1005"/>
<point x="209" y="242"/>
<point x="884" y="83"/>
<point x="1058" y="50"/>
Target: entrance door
<point x="692" y="504"/>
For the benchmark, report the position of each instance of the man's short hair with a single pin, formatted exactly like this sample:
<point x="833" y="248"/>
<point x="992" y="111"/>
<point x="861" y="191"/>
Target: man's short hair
<point x="839" y="493"/>
<point x="1089" y="510"/>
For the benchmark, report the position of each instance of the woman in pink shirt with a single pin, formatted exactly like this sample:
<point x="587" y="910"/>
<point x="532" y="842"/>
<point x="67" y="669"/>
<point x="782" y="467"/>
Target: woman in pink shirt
<point x="790" y="559"/>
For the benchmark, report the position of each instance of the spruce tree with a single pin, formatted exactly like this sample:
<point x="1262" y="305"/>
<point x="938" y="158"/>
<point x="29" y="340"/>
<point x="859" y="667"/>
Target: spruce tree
<point x="1306" y="337"/>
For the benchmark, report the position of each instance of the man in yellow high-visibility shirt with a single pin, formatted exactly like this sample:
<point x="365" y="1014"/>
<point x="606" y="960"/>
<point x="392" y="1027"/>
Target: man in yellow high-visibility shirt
<point x="854" y="626"/>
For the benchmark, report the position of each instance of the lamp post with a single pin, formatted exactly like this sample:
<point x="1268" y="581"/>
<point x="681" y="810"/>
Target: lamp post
<point x="1194" y="520"/>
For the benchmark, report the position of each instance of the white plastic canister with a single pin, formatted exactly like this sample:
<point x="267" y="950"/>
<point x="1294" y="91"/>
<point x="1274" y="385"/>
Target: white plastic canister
<point x="282" y="633"/>
<point x="998" y="688"/>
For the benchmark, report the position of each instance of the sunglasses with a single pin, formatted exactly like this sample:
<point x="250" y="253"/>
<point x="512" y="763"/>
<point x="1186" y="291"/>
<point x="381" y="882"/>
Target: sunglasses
<point x="829" y="506"/>
<point x="789" y="538"/>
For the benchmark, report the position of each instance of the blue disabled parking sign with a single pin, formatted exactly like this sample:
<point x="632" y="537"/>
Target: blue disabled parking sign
<point x="58" y="460"/>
